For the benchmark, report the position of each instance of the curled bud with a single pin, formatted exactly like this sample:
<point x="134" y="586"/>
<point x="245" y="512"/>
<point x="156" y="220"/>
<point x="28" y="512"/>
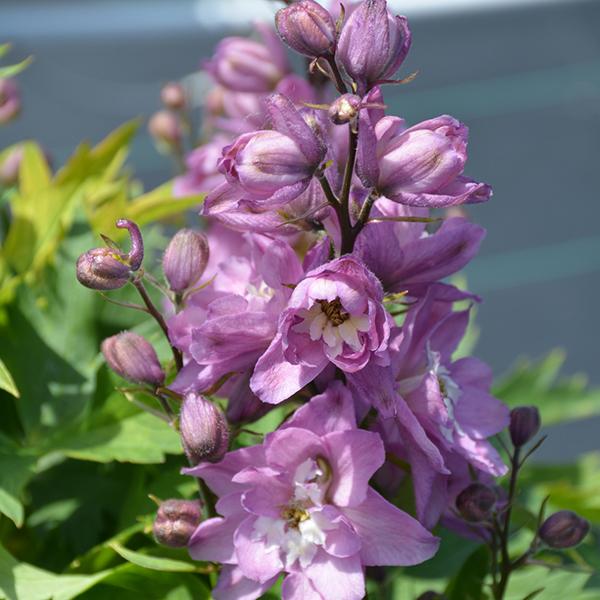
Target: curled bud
<point x="307" y="28"/>
<point x="185" y="259"/>
<point x="345" y="109"/>
<point x="136" y="254"/>
<point x="102" y="269"/>
<point x="475" y="502"/>
<point x="132" y="357"/>
<point x="172" y="96"/>
<point x="165" y="128"/>
<point x="10" y="100"/>
<point x="176" y="521"/>
<point x="524" y="424"/>
<point x="204" y="430"/>
<point x="563" y="529"/>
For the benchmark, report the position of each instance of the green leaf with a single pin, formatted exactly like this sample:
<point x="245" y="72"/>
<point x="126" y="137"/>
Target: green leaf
<point x="468" y="583"/>
<point x="159" y="204"/>
<point x="12" y="70"/>
<point x="559" y="399"/>
<point x="15" y="471"/>
<point x="22" y="581"/>
<point x="141" y="438"/>
<point x="157" y="563"/>
<point x="7" y="383"/>
<point x="556" y="584"/>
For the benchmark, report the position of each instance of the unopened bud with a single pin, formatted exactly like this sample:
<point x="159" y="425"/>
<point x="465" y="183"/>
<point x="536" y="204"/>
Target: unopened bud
<point x="563" y="529"/>
<point x="204" y="430"/>
<point x="475" y="502"/>
<point x="430" y="595"/>
<point x="132" y="357"/>
<point x="524" y="424"/>
<point x="10" y="100"/>
<point x="185" y="259"/>
<point x="176" y="521"/>
<point x="345" y="109"/>
<point x="136" y="254"/>
<point x="307" y="28"/>
<point x="102" y="269"/>
<point x="172" y="96"/>
<point x="164" y="127"/>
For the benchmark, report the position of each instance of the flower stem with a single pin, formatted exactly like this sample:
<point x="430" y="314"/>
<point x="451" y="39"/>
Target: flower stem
<point x="139" y="286"/>
<point x="337" y="76"/>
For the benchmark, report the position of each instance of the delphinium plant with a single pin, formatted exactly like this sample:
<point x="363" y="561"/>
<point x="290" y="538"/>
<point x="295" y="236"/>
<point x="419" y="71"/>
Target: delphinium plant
<point x="312" y="360"/>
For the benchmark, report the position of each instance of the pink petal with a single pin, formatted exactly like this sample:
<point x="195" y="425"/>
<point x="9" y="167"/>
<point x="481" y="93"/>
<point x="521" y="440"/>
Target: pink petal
<point x="355" y="456"/>
<point x="254" y="560"/>
<point x="296" y="586"/>
<point x="337" y="578"/>
<point x="275" y="379"/>
<point x="233" y="585"/>
<point x="389" y="536"/>
<point x="213" y="540"/>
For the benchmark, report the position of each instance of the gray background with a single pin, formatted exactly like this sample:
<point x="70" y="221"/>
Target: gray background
<point x="524" y="77"/>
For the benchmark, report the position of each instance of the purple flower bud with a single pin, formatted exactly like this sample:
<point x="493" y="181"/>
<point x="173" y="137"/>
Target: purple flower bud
<point x="185" y="259"/>
<point x="563" y="529"/>
<point x="10" y="100"/>
<point x="373" y="44"/>
<point x="345" y="109"/>
<point x="204" y="430"/>
<point x="172" y="95"/>
<point x="165" y="128"/>
<point x="307" y="28"/>
<point x="132" y="357"/>
<point x="176" y="521"/>
<point x="136" y="254"/>
<point x="102" y="269"/>
<point x="9" y="169"/>
<point x="245" y="65"/>
<point x="475" y="502"/>
<point x="524" y="424"/>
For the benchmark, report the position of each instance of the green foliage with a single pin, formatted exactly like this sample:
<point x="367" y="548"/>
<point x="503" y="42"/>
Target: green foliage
<point x="12" y="70"/>
<point x="559" y="399"/>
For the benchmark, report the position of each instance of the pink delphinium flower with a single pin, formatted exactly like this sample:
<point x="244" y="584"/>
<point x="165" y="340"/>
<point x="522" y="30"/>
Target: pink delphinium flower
<point x="335" y="315"/>
<point x="301" y="504"/>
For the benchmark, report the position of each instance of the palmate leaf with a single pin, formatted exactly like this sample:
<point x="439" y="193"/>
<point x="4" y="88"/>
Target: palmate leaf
<point x="559" y="399"/>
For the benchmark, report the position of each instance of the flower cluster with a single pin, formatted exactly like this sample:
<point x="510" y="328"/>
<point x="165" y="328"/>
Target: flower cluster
<point x="320" y="284"/>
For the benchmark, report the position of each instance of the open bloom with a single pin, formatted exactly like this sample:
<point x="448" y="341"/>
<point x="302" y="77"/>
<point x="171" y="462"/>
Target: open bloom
<point x="373" y="44"/>
<point x="419" y="166"/>
<point x="300" y="504"/>
<point x="335" y="315"/>
<point x="436" y="412"/>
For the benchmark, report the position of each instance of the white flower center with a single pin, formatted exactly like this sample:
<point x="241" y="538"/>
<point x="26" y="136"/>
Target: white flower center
<point x="450" y="393"/>
<point x="300" y="530"/>
<point x="328" y="320"/>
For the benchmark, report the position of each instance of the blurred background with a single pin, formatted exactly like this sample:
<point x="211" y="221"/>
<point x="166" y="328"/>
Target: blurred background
<point x="524" y="75"/>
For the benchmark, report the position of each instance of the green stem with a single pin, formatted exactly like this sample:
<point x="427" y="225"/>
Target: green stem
<point x="337" y="76"/>
<point x="139" y="286"/>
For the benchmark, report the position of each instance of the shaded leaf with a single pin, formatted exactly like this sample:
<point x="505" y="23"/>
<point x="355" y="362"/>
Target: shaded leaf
<point x="468" y="583"/>
<point x="157" y="563"/>
<point x="15" y="471"/>
<point x="7" y="383"/>
<point x="559" y="399"/>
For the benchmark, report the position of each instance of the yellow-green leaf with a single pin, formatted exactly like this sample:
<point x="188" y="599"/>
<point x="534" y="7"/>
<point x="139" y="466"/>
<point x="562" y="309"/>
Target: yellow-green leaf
<point x="34" y="172"/>
<point x="156" y="563"/>
<point x="7" y="383"/>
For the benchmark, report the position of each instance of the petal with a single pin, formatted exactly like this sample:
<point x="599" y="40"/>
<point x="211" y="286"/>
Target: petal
<point x="331" y="411"/>
<point x="213" y="540"/>
<point x="336" y="578"/>
<point x="254" y="559"/>
<point x="296" y="586"/>
<point x="233" y="585"/>
<point x="287" y="448"/>
<point x="389" y="536"/>
<point x="355" y="456"/>
<point x="275" y="379"/>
